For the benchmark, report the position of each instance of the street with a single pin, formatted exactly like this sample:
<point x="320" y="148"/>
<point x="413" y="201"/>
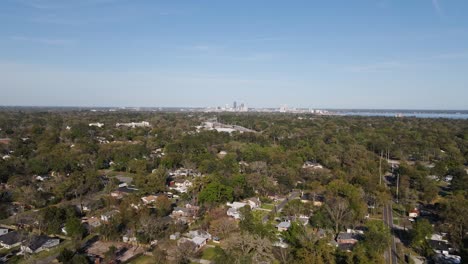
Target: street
<point x="279" y="207"/>
<point x="391" y="254"/>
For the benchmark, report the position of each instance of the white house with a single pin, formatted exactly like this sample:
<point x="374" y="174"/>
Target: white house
<point x="199" y="242"/>
<point x="254" y="202"/>
<point x="233" y="212"/>
<point x="106" y="217"/>
<point x="181" y="186"/>
<point x="284" y="226"/>
<point x="149" y="199"/>
<point x="312" y="165"/>
<point x="96" y="124"/>
<point x="134" y="124"/>
<point x="175" y="236"/>
<point x="3" y="231"/>
<point x="414" y="213"/>
<point x="236" y="205"/>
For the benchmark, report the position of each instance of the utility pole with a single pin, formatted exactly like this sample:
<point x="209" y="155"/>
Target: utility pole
<point x="380" y="168"/>
<point x="397" y="184"/>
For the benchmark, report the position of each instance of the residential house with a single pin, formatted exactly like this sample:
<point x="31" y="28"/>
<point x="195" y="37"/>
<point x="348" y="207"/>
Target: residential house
<point x="446" y="259"/>
<point x="129" y="237"/>
<point x="347" y="240"/>
<point x="199" y="233"/>
<point x="181" y="212"/>
<point x="180" y="185"/>
<point x="199" y="242"/>
<point x="96" y="124"/>
<point x="321" y="233"/>
<point x="124" y="181"/>
<point x="283" y="226"/>
<point x="106" y="217"/>
<point x="182" y="172"/>
<point x="414" y="213"/>
<point x="175" y="236"/>
<point x="199" y="238"/>
<point x="432" y="177"/>
<point x="11" y="239"/>
<point x="41" y="178"/>
<point x="280" y="243"/>
<point x="440" y="246"/>
<point x="448" y="178"/>
<point x="134" y="124"/>
<point x="40" y="243"/>
<point x="3" y="231"/>
<point x="5" y="141"/>
<point x="93" y="222"/>
<point x="316" y="200"/>
<point x="233" y="212"/>
<point x="122" y="191"/>
<point x="149" y="199"/>
<point x="222" y="154"/>
<point x="312" y="165"/>
<point x="254" y="202"/>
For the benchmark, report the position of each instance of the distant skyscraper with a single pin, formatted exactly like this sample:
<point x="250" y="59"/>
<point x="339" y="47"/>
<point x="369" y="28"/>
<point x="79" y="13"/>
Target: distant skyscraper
<point x="234" y="105"/>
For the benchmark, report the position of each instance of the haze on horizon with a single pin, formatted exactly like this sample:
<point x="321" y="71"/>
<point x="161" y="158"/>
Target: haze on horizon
<point x="321" y="54"/>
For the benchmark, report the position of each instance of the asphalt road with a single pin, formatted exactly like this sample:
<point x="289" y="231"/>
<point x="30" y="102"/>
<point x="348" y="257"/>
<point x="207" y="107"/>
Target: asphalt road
<point x="392" y="256"/>
<point x="279" y="207"/>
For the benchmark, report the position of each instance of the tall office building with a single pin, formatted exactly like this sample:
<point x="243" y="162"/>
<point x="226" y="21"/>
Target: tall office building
<point x="234" y="105"/>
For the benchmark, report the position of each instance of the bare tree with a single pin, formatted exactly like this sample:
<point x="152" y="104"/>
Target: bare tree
<point x="338" y="209"/>
<point x="223" y="226"/>
<point x="246" y="247"/>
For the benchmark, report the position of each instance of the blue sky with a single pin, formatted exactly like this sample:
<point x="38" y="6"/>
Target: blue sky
<point x="410" y="54"/>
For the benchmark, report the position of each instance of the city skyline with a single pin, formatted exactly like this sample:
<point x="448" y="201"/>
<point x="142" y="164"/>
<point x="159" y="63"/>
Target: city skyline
<point x="369" y="54"/>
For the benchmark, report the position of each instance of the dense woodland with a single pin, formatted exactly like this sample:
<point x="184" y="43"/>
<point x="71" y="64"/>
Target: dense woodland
<point x="352" y="150"/>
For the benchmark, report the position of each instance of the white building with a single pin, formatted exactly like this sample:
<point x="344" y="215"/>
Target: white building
<point x="96" y="124"/>
<point x="134" y="124"/>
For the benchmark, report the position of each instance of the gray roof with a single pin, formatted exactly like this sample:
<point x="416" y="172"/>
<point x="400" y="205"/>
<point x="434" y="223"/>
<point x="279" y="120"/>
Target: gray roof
<point x="198" y="240"/>
<point x="284" y="225"/>
<point x="345" y="235"/>
<point x="12" y="238"/>
<point x="37" y="242"/>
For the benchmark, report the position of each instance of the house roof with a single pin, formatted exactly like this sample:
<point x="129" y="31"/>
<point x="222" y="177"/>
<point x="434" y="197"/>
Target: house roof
<point x="150" y="198"/>
<point x="111" y="213"/>
<point x="126" y="189"/>
<point x="37" y="242"/>
<point x="185" y="210"/>
<point x="198" y="240"/>
<point x="232" y="210"/>
<point x="439" y="245"/>
<point x="346" y="246"/>
<point x="346" y="236"/>
<point x="11" y="238"/>
<point x="284" y="225"/>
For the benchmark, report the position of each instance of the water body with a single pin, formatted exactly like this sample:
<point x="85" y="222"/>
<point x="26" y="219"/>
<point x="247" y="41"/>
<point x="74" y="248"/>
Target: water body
<point x="405" y="113"/>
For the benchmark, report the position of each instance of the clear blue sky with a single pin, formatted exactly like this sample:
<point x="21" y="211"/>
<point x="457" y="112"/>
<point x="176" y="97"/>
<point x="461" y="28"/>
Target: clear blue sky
<point x="409" y="54"/>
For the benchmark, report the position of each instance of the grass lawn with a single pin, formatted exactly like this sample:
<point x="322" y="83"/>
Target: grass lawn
<point x="259" y="214"/>
<point x="209" y="253"/>
<point x="267" y="206"/>
<point x="143" y="259"/>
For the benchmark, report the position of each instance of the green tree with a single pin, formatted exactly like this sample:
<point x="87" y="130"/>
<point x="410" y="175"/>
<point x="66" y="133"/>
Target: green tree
<point x="215" y="192"/>
<point x="421" y="230"/>
<point x="74" y="228"/>
<point x="377" y="238"/>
